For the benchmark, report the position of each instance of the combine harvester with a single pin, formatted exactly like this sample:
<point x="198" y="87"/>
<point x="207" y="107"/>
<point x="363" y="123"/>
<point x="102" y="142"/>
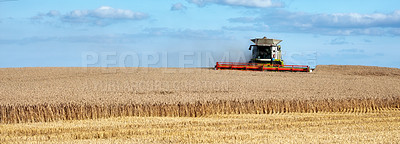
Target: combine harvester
<point x="266" y="56"/>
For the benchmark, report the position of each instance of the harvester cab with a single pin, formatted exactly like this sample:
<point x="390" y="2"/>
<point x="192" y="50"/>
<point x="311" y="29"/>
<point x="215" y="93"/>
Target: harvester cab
<point x="266" y="56"/>
<point x="266" y="51"/>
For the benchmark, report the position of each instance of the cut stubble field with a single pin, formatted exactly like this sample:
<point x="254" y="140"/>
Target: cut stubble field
<point x="335" y="97"/>
<point x="374" y="127"/>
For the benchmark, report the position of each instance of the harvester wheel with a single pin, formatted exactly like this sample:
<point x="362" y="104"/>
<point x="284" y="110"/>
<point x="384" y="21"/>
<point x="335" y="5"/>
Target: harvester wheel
<point x="276" y="63"/>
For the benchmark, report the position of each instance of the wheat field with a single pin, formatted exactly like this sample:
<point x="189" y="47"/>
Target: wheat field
<point x="333" y="104"/>
<point x="339" y="127"/>
<point x="52" y="94"/>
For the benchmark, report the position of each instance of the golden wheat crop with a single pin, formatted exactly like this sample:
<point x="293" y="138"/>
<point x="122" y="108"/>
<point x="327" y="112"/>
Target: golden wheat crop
<point x="51" y="94"/>
<point x="55" y="112"/>
<point x="376" y="127"/>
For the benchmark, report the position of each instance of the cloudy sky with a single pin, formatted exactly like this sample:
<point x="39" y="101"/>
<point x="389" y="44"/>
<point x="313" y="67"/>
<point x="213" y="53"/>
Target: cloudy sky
<point x="193" y="33"/>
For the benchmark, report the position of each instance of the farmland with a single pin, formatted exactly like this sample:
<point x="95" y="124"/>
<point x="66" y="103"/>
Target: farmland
<point x="37" y="104"/>
<point x="376" y="127"/>
<point x="47" y="94"/>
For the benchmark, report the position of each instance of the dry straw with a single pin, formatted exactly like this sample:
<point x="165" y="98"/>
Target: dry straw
<point x="73" y="111"/>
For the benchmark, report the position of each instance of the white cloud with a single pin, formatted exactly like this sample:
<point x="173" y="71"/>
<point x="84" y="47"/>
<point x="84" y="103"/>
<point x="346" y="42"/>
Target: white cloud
<point x="53" y="13"/>
<point x="183" y="33"/>
<point x="339" y="41"/>
<point x="244" y="3"/>
<point x="178" y="6"/>
<point x="104" y="12"/>
<point x="104" y="15"/>
<point x="357" y="20"/>
<point x="395" y="31"/>
<point x="330" y="24"/>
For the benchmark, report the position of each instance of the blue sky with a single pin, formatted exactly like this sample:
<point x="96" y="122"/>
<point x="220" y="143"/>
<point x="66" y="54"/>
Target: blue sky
<point x="196" y="33"/>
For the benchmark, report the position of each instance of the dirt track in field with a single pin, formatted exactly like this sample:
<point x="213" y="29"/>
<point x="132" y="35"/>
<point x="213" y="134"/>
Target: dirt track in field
<point x="174" y="85"/>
